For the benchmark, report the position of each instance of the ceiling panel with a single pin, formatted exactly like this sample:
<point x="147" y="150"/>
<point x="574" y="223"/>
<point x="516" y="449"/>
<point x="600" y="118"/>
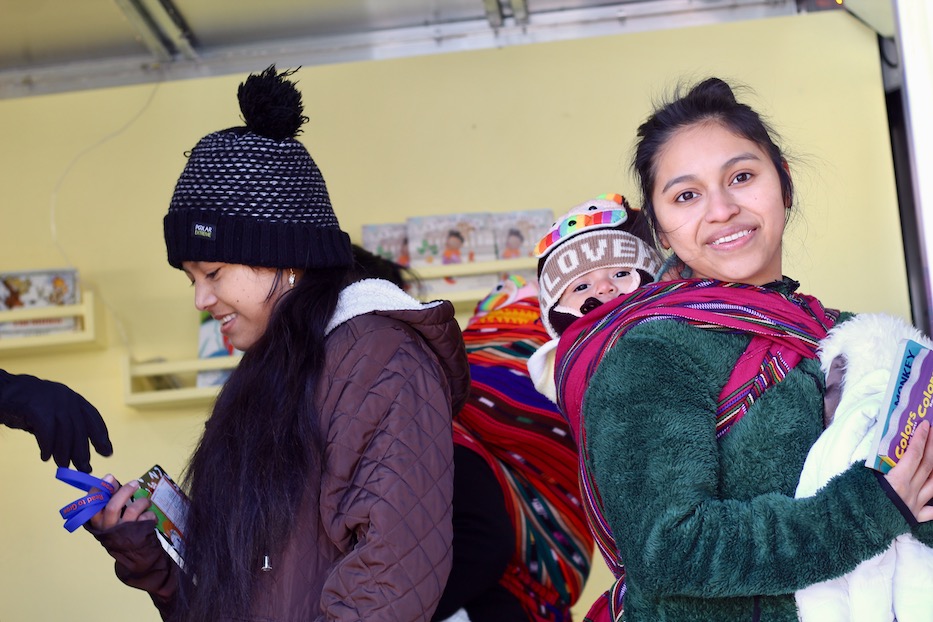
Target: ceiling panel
<point x="46" y="32"/>
<point x="220" y="23"/>
<point x="57" y="45"/>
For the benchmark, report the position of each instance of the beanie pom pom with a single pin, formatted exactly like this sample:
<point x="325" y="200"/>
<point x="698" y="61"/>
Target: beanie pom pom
<point x="271" y="105"/>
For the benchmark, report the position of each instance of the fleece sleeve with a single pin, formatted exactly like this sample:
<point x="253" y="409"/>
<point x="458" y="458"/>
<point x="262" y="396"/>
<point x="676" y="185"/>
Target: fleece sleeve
<point x="386" y="500"/>
<point x="650" y="423"/>
<point x="924" y="533"/>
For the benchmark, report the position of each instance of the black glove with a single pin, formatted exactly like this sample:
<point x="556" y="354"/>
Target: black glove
<point x="62" y="421"/>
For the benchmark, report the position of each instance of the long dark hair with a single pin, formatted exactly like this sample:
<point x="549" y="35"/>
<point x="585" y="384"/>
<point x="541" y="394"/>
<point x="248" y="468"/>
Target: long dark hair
<point x="710" y="100"/>
<point x="260" y="445"/>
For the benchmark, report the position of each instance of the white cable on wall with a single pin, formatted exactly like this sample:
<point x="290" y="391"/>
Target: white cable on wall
<point x="53" y="198"/>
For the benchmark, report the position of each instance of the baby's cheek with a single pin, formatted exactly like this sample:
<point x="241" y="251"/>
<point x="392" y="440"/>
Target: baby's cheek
<point x="630" y="284"/>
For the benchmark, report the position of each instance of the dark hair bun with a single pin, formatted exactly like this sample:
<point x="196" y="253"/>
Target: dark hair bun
<point x="271" y="105"/>
<point x="715" y="85"/>
<point x="713" y="92"/>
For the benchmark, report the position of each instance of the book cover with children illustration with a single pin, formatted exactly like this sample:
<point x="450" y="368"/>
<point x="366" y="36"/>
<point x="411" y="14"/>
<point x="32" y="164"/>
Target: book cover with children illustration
<point x="908" y="400"/>
<point x="517" y="232"/>
<point x="389" y="241"/>
<point x="452" y="239"/>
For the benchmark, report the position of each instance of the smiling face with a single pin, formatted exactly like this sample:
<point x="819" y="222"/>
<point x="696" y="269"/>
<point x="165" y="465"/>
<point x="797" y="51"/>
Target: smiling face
<point x="719" y="206"/>
<point x="237" y="296"/>
<point x="604" y="284"/>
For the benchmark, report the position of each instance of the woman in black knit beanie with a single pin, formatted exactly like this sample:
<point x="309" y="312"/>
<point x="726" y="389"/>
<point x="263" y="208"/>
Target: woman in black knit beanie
<point x="321" y="487"/>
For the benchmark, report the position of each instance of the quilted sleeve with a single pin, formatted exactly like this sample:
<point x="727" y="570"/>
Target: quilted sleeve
<point x="141" y="562"/>
<point x="386" y="495"/>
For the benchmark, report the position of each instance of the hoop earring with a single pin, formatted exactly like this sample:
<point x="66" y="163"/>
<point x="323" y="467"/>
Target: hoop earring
<point x="291" y="278"/>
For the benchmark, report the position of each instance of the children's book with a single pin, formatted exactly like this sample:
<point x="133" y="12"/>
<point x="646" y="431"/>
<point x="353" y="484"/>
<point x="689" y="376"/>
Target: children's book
<point x="37" y="288"/>
<point x="211" y="343"/>
<point x="907" y="401"/>
<point x="517" y="232"/>
<point x="389" y="241"/>
<point x="451" y="239"/>
<point x="170" y="505"/>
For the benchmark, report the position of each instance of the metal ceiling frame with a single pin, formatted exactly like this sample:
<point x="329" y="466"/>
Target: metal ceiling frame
<point x="520" y="12"/>
<point x="498" y="10"/>
<point x="161" y="28"/>
<point x="166" y="35"/>
<point x="494" y="13"/>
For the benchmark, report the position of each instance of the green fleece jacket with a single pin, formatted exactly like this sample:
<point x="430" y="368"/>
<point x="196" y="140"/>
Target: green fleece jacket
<point x="708" y="529"/>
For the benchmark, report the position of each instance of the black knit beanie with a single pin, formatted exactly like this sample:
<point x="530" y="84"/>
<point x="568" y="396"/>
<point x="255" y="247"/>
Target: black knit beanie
<point x="252" y="195"/>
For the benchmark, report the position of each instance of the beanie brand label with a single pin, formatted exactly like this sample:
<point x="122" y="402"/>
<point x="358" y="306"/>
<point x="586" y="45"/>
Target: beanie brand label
<point x="201" y="230"/>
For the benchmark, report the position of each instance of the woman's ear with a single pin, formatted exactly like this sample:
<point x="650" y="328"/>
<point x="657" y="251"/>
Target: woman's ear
<point x="787" y="195"/>
<point x="662" y="240"/>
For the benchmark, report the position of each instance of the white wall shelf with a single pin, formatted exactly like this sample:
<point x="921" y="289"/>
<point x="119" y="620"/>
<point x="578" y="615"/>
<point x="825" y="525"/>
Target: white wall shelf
<point x="168" y="384"/>
<point x="88" y="333"/>
<point x="163" y="384"/>
<point x="472" y="296"/>
<point x="479" y="267"/>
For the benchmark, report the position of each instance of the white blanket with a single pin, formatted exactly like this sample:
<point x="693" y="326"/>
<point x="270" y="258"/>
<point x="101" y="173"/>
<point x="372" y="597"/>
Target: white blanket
<point x="898" y="583"/>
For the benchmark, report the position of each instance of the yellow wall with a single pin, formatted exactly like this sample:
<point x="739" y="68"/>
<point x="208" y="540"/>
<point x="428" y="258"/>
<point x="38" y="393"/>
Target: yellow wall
<point x="545" y="125"/>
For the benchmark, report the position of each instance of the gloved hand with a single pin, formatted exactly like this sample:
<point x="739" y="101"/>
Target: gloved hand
<point x="62" y="421"/>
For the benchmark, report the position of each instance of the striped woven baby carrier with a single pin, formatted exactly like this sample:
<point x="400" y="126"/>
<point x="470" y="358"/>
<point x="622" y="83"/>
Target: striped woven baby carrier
<point x="531" y="450"/>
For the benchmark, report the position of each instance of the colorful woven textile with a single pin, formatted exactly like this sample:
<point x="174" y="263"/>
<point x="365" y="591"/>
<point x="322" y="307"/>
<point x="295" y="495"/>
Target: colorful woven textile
<point x="784" y="330"/>
<point x="530" y="448"/>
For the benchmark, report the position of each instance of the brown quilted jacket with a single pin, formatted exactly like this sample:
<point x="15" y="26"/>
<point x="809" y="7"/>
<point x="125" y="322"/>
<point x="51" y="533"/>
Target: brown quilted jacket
<point x="373" y="538"/>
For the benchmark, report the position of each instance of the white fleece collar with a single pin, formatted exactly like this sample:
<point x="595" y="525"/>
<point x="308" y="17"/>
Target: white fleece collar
<point x="371" y="295"/>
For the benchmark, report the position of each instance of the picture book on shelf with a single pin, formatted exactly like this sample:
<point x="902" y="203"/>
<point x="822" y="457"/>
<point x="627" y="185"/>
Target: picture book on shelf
<point x="37" y="288"/>
<point x="211" y="343"/>
<point x="463" y="238"/>
<point x="517" y="232"/>
<point x="451" y="239"/>
<point x="389" y="241"/>
<point x="907" y="401"/>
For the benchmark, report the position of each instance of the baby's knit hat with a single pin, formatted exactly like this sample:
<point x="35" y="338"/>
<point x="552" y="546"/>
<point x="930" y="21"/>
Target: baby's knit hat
<point x="252" y="195"/>
<point x="602" y="233"/>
